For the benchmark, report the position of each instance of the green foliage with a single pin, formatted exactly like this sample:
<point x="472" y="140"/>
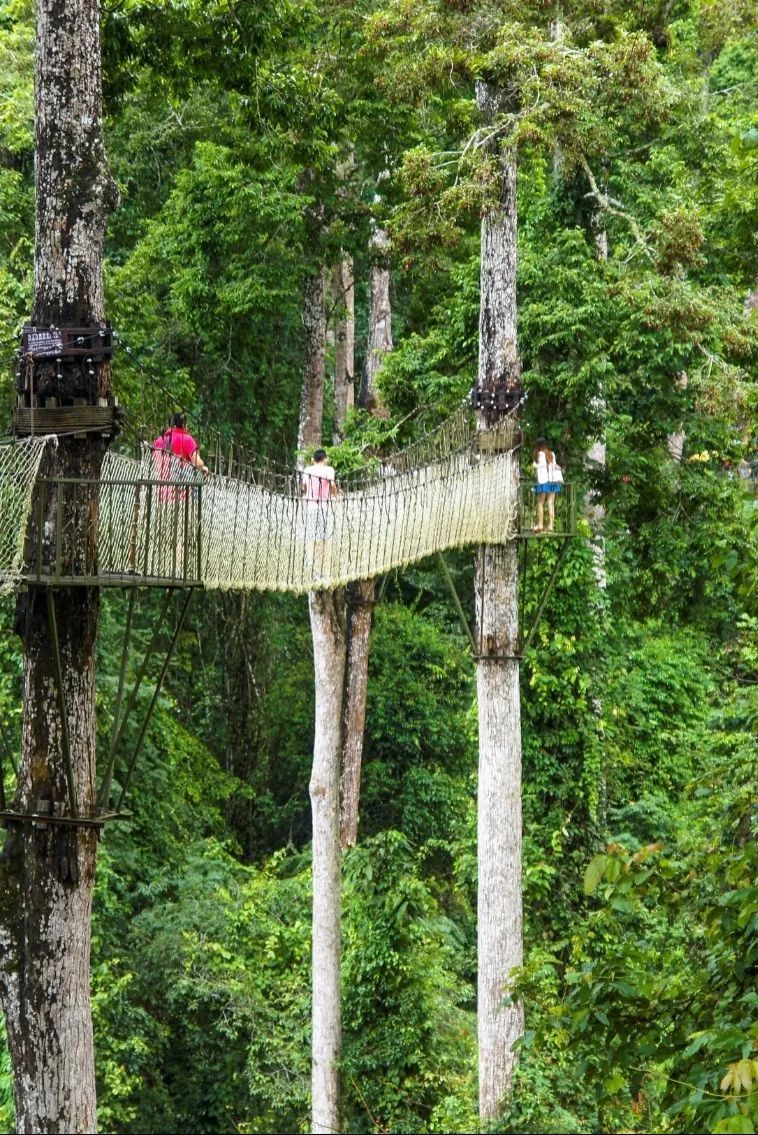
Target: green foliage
<point x="409" y="1040"/>
<point x="418" y="749"/>
<point x="650" y="1002"/>
<point x="647" y="750"/>
<point x="17" y="70"/>
<point x="253" y="143"/>
<point x="7" y="1110"/>
<point x="204" y="1008"/>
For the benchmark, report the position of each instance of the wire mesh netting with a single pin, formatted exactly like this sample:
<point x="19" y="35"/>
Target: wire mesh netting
<point x="19" y="467"/>
<point x="158" y="521"/>
<point x="263" y="533"/>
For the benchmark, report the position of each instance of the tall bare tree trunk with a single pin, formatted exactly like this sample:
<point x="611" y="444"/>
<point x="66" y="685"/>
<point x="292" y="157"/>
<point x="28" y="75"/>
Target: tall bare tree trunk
<point x="557" y="33"/>
<point x="328" y="631"/>
<point x="47" y="873"/>
<point x="312" y="397"/>
<point x="380" y="323"/>
<point x="596" y="456"/>
<point x="361" y="594"/>
<point x="595" y="514"/>
<point x="344" y="345"/>
<point x="360" y="609"/>
<point x="675" y="441"/>
<point x="499" y="910"/>
<point x="327" y="618"/>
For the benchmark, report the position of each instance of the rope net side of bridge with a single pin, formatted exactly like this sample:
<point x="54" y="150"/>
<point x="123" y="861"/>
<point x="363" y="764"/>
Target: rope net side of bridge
<point x="262" y="533"/>
<point x="159" y="522"/>
<point x="19" y="468"/>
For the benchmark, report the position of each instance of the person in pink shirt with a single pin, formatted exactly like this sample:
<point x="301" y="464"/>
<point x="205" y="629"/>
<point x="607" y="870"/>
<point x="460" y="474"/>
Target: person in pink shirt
<point x="176" y="440"/>
<point x="317" y="481"/>
<point x="174" y="523"/>
<point x="318" y="485"/>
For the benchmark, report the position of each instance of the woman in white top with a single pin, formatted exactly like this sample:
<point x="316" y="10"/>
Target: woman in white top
<point x="547" y="484"/>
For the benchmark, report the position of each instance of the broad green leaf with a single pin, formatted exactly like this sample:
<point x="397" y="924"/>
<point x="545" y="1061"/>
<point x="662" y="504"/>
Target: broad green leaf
<point x="594" y="873"/>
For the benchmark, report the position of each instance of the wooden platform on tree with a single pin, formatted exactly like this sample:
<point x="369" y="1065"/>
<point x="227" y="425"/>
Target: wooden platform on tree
<point x="107" y="579"/>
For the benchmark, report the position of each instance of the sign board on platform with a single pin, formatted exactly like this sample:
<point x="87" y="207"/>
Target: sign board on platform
<point x="48" y="342"/>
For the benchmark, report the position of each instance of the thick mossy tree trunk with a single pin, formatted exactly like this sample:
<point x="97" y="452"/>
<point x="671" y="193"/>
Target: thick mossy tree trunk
<point x="499" y="909"/>
<point x="380" y="323"/>
<point x="361" y="595"/>
<point x="47" y="873"/>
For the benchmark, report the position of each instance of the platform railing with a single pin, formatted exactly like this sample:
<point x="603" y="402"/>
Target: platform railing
<point x="565" y="511"/>
<point x="115" y="532"/>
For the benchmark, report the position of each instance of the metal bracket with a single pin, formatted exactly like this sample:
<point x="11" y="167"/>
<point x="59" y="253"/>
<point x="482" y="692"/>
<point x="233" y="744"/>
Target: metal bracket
<point x="154" y="699"/>
<point x="105" y="786"/>
<point x="498" y="657"/>
<point x="458" y="605"/>
<point x="545" y="596"/>
<point x="119" y="725"/>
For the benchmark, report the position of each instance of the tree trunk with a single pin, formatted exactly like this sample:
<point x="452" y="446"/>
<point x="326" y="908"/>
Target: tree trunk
<point x="500" y="946"/>
<point x="344" y="345"/>
<point x="557" y="33"/>
<point x="675" y="441"/>
<point x="47" y="872"/>
<point x="328" y="631"/>
<point x="360" y="610"/>
<point x="499" y="911"/>
<point x="380" y="324"/>
<point x="361" y="595"/>
<point x="327" y="617"/>
<point x="312" y="398"/>
<point x="594" y="511"/>
<point x="596" y="456"/>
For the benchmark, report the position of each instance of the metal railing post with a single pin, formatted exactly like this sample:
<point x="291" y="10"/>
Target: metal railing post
<point x="58" y="531"/>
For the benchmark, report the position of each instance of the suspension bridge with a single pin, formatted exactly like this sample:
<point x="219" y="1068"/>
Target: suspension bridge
<point x="159" y="523"/>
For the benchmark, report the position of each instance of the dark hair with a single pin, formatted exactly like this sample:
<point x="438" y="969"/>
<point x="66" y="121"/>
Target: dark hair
<point x="180" y="421"/>
<point x="541" y="443"/>
<point x="320" y="455"/>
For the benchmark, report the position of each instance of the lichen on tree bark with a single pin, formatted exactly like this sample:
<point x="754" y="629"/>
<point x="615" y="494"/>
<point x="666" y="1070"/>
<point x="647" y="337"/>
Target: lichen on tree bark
<point x="47" y="874"/>
<point x="327" y="614"/>
<point x="499" y="909"/>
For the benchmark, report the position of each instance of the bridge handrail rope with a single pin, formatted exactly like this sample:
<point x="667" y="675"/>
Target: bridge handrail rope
<point x="165" y="526"/>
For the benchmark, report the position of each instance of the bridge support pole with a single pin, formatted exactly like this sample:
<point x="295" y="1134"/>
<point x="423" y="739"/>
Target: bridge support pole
<point x="154" y="699"/>
<point x="105" y="788"/>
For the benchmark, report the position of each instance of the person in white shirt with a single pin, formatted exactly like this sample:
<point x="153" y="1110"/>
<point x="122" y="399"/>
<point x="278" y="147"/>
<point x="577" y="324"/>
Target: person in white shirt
<point x="318" y="484"/>
<point x="546" y="468"/>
